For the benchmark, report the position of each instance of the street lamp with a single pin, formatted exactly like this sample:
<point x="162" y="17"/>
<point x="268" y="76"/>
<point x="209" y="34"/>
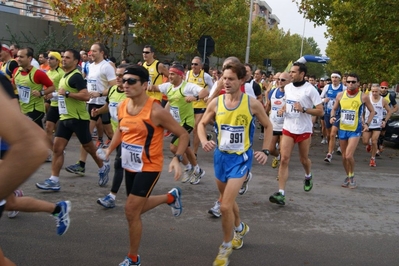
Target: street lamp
<point x="249" y="33"/>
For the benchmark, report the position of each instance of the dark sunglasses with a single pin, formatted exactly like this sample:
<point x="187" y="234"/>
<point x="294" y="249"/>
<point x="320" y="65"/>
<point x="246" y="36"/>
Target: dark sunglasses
<point x="146" y="52"/>
<point x="130" y="81"/>
<point x="282" y="80"/>
<point x="119" y="75"/>
<point x="351" y="81"/>
<point x="384" y="87"/>
<point x="194" y="64"/>
<point x="51" y="58"/>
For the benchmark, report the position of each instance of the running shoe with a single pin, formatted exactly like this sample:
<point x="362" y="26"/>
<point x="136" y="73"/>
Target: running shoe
<point x="261" y="136"/>
<point x="275" y="162"/>
<point x="345" y="183"/>
<point x="328" y="158"/>
<point x="128" y="262"/>
<point x="352" y="182"/>
<point x="308" y="184"/>
<point x="17" y="193"/>
<point x="372" y="163"/>
<point x="339" y="151"/>
<point x="176" y="206"/>
<point x="106" y="144"/>
<point x="76" y="169"/>
<point x="277" y="198"/>
<point x="196" y="177"/>
<point x="49" y="184"/>
<point x="239" y="236"/>
<point x="244" y="186"/>
<point x="106" y="202"/>
<point x="222" y="259"/>
<point x="324" y="141"/>
<point x="62" y="217"/>
<point x="368" y="148"/>
<point x="99" y="144"/>
<point x="215" y="210"/>
<point x="378" y="153"/>
<point x="187" y="175"/>
<point x="103" y="175"/>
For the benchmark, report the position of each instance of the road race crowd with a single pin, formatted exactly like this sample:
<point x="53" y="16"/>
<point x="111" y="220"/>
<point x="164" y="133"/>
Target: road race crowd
<point x="131" y="108"/>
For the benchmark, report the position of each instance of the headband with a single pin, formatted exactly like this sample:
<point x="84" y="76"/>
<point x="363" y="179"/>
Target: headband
<point x="335" y="75"/>
<point x="6" y="48"/>
<point x="176" y="71"/>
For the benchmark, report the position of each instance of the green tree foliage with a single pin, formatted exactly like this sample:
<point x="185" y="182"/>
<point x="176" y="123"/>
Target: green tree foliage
<point x="363" y="35"/>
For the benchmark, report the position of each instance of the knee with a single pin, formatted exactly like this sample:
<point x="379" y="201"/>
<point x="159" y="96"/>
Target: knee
<point x="304" y="160"/>
<point x="131" y="212"/>
<point x="225" y="208"/>
<point x="284" y="160"/>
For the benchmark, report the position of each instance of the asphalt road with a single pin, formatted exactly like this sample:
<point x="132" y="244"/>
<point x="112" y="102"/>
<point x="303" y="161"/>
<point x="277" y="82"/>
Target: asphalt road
<point x="328" y="226"/>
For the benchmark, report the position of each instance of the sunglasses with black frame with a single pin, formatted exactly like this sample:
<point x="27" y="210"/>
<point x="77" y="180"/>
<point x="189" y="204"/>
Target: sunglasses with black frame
<point x="130" y="81"/>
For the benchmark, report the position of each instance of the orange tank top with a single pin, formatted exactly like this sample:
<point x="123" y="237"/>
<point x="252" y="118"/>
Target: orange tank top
<point x="142" y="141"/>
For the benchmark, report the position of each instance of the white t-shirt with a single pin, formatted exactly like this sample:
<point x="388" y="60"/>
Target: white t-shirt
<point x="297" y="122"/>
<point x="190" y="89"/>
<point x="248" y="89"/>
<point x="98" y="80"/>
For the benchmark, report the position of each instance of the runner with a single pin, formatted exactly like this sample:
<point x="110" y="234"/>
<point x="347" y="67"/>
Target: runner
<point x="390" y="96"/>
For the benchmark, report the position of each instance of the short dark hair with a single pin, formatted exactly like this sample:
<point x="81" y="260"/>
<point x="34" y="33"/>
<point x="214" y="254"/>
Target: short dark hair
<point x="354" y="75"/>
<point x="237" y="68"/>
<point x="15" y="46"/>
<point x="76" y="54"/>
<point x="250" y="66"/>
<point x="29" y="51"/>
<point x="302" y="67"/>
<point x="124" y="65"/>
<point x="45" y="55"/>
<point x="152" y="49"/>
<point x="139" y="71"/>
<point x="127" y="60"/>
<point x="102" y="47"/>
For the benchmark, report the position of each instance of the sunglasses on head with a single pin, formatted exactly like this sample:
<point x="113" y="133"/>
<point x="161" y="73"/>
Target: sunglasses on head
<point x="146" y="52"/>
<point x="130" y="81"/>
<point x="282" y="80"/>
<point x="194" y="64"/>
<point x="351" y="81"/>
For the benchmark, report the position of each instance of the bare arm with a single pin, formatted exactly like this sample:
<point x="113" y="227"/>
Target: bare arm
<point x="368" y="104"/>
<point x="82" y="95"/>
<point x="389" y="112"/>
<point x="208" y="117"/>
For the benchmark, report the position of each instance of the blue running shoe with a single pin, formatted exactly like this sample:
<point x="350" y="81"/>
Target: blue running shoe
<point x="106" y="202"/>
<point x="177" y="208"/>
<point x="49" y="184"/>
<point x="75" y="169"/>
<point x="62" y="217"/>
<point x="128" y="262"/>
<point x="103" y="175"/>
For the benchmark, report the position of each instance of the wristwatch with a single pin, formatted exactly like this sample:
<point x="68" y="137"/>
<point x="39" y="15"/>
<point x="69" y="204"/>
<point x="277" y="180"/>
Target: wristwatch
<point x="197" y="97"/>
<point x="266" y="151"/>
<point x="179" y="157"/>
<point x="101" y="94"/>
<point x="304" y="109"/>
<point x="67" y="94"/>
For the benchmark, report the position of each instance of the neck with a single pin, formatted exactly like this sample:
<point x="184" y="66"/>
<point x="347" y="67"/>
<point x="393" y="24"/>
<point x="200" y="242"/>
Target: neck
<point x="353" y="92"/>
<point x="138" y="101"/>
<point x="67" y="70"/>
<point x="299" y="83"/>
<point x="150" y="61"/>
<point x="98" y="60"/>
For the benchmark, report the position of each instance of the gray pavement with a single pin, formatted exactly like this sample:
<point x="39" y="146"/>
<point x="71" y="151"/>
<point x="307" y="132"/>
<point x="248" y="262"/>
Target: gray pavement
<point x="329" y="225"/>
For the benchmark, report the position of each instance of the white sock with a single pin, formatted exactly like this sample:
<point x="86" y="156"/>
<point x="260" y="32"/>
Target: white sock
<point x="112" y="195"/>
<point x="282" y="192"/>
<point x="196" y="169"/>
<point x="188" y="166"/>
<point x="54" y="178"/>
<point x="227" y="245"/>
<point x="239" y="228"/>
<point x="308" y="176"/>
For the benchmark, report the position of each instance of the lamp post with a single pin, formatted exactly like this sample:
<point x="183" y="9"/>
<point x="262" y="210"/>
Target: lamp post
<point x="249" y="32"/>
<point x="303" y="36"/>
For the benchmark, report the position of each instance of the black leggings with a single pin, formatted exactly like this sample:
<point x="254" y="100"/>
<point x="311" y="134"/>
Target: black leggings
<point x="118" y="174"/>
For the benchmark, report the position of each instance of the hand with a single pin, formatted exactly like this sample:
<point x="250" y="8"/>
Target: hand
<point x="261" y="157"/>
<point x="94" y="94"/>
<point x="190" y="99"/>
<point x="332" y="120"/>
<point x="175" y="165"/>
<point x="208" y="145"/>
<point x="36" y="94"/>
<point x="365" y="128"/>
<point x="297" y="106"/>
<point x="94" y="112"/>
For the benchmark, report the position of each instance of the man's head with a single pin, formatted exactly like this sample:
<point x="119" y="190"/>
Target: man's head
<point x="196" y="65"/>
<point x="135" y="81"/>
<point x="249" y="69"/>
<point x="120" y="70"/>
<point x="24" y="57"/>
<point x="84" y="56"/>
<point x="98" y="52"/>
<point x="276" y="76"/>
<point x="384" y="87"/>
<point x="298" y="72"/>
<point x="312" y="80"/>
<point x="5" y="53"/>
<point x="54" y="59"/>
<point x="176" y="74"/>
<point x="336" y="77"/>
<point x="284" y="79"/>
<point x="43" y="58"/>
<point x="70" y="59"/>
<point x="14" y="49"/>
<point x="375" y="90"/>
<point x="352" y="81"/>
<point x="258" y="75"/>
<point x="233" y="76"/>
<point x="148" y="53"/>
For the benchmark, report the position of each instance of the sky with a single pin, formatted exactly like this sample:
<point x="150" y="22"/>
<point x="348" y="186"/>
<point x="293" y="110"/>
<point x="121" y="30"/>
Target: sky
<point x="290" y="19"/>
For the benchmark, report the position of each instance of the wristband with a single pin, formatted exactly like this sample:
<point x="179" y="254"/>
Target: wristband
<point x="366" y="124"/>
<point x="41" y="93"/>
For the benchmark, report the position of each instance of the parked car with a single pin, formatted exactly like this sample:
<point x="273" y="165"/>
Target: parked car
<point x="392" y="129"/>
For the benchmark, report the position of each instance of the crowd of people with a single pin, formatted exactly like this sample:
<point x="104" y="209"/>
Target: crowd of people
<point x="137" y="106"/>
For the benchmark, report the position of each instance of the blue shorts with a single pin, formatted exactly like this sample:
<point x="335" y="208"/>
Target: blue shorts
<point x="232" y="165"/>
<point x="328" y="125"/>
<point x="345" y="134"/>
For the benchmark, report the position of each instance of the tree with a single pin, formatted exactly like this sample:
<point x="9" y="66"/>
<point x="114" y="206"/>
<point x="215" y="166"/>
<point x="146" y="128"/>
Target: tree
<point x="363" y="35"/>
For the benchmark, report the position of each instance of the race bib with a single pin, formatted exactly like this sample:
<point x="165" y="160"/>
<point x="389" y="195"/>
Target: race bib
<point x="174" y="111"/>
<point x="330" y="105"/>
<point x="91" y="85"/>
<point x="132" y="157"/>
<point x="24" y="93"/>
<point x="232" y="138"/>
<point x="348" y="117"/>
<point x="278" y="119"/>
<point x="376" y="122"/>
<point x="62" y="108"/>
<point x="291" y="112"/>
<point x="113" y="110"/>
